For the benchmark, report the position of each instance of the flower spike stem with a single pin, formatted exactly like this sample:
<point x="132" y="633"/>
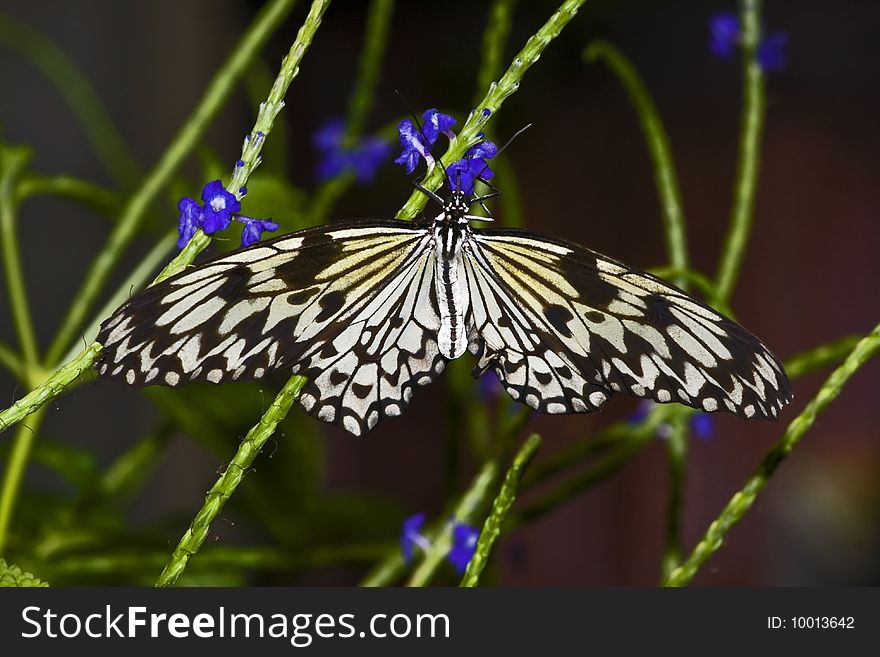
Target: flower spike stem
<point x="665" y="175"/>
<point x="494" y="98"/>
<point x="754" y="107"/>
<point x="253" y="144"/>
<point x="219" y="90"/>
<point x="742" y="501"/>
<point x="494" y="39"/>
<point x="500" y="507"/>
<point x="227" y="483"/>
<point x="12" y="162"/>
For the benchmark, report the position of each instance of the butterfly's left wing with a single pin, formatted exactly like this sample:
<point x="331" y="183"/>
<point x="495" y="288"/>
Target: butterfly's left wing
<point x="564" y="328"/>
<point x="350" y="306"/>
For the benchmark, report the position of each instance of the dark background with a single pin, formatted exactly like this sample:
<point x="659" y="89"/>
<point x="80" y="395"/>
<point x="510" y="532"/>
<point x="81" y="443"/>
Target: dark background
<point x="811" y="274"/>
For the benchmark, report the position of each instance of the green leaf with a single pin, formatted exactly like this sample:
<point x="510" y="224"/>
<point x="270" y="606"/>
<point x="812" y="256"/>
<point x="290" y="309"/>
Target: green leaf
<point x="15" y="576"/>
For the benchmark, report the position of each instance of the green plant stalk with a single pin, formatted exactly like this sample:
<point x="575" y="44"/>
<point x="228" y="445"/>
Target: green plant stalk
<point x="220" y="558"/>
<point x="752" y="124"/>
<point x="22" y="445"/>
<point x="253" y="144"/>
<point x="359" y="104"/>
<point x="494" y="39"/>
<point x="79" y="95"/>
<point x="816" y="358"/>
<point x="743" y="500"/>
<point x="677" y="450"/>
<point x="12" y="162"/>
<point x="218" y="91"/>
<point x="88" y="194"/>
<point x="466" y="511"/>
<point x="511" y="201"/>
<point x="60" y="380"/>
<point x="129" y="470"/>
<point x="665" y="175"/>
<point x="13" y="362"/>
<point x="492" y="101"/>
<point x="225" y="486"/>
<point x="256" y="81"/>
<point x="500" y="507"/>
<point x="604" y="466"/>
<point x="369" y="67"/>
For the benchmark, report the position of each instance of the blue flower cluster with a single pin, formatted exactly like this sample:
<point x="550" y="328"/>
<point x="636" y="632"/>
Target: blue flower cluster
<point x="464" y="541"/>
<point x="364" y="159"/>
<point x="216" y="211"/>
<point x="725" y="35"/>
<point x="416" y="145"/>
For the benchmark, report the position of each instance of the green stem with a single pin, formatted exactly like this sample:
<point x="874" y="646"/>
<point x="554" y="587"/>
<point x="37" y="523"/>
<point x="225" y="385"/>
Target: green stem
<point x="494" y="39"/>
<point x="369" y="67"/>
<point x="63" y="377"/>
<point x="217" y="558"/>
<point x="816" y="358"/>
<point x="665" y="175"/>
<point x="492" y="101"/>
<point x="227" y="483"/>
<point x="677" y="450"/>
<point x="219" y="89"/>
<point x="74" y="87"/>
<point x="359" y="104"/>
<point x="742" y="501"/>
<point x="14" y="473"/>
<point x="90" y="195"/>
<point x="602" y="468"/>
<point x="13" y="362"/>
<point x="12" y="161"/>
<point x="253" y="144"/>
<point x="500" y="507"/>
<point x="752" y="124"/>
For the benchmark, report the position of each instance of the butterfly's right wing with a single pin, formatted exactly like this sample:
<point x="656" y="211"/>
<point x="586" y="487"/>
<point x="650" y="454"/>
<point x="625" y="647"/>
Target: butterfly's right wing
<point x="349" y="306"/>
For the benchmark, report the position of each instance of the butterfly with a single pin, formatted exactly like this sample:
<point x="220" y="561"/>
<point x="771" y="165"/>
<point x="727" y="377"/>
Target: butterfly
<point x="370" y="310"/>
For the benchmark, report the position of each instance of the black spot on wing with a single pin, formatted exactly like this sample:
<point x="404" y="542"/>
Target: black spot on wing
<point x="559" y="316"/>
<point x="331" y="303"/>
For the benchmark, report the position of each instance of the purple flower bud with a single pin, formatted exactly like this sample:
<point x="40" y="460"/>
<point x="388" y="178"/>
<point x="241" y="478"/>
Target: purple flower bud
<point x="414" y="146"/>
<point x="464" y="544"/>
<point x="254" y="229"/>
<point x="437" y="122"/>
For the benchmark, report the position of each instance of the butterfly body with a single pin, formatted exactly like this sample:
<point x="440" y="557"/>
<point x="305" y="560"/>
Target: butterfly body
<point x="368" y="311"/>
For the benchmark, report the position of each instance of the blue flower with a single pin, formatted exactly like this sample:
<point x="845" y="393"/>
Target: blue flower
<point x="414" y="147"/>
<point x="771" y="52"/>
<point x="641" y="413"/>
<point x="329" y="136"/>
<point x="218" y="207"/>
<point x="464" y="543"/>
<point x="435" y="123"/>
<point x="190" y="220"/>
<point x="411" y="536"/>
<point x="703" y="425"/>
<point x="723" y="34"/>
<point x="364" y="158"/>
<point x="215" y="213"/>
<point x="254" y="228"/>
